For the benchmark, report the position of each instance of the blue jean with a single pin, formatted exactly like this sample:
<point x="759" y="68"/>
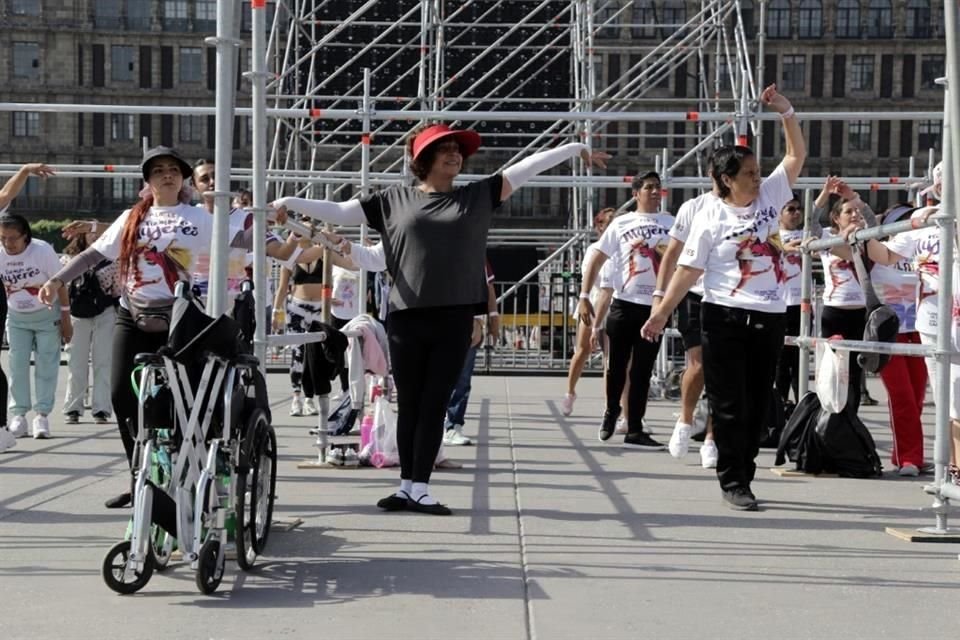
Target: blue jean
<point x="460" y="398"/>
<point x="37" y="332"/>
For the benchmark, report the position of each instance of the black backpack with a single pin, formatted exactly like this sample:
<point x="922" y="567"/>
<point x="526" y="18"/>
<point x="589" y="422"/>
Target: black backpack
<point x="87" y="297"/>
<point x="882" y="325"/>
<point x="822" y="442"/>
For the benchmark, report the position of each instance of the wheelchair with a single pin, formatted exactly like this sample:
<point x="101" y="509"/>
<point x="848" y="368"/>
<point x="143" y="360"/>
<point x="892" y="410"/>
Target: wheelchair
<point x="205" y="459"/>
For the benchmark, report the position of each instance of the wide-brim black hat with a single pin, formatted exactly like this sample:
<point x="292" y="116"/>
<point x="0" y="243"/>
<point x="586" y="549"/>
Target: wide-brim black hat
<point x="164" y="152"/>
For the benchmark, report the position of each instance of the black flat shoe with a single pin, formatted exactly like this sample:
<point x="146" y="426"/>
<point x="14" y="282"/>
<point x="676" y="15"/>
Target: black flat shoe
<point x="394" y="502"/>
<point x="432" y="509"/>
<point x="121" y="501"/>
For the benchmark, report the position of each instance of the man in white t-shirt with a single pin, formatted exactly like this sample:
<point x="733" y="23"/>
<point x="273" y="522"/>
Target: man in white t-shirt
<point x="691" y="386"/>
<point x="635" y="242"/>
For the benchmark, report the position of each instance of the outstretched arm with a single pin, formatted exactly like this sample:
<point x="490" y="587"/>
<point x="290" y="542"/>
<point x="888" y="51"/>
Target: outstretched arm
<point x="796" y="151"/>
<point x="15" y="184"/>
<point x="345" y="213"/>
<point x="515" y="176"/>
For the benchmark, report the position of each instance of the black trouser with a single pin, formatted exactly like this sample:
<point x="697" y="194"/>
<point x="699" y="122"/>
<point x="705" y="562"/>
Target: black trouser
<point x="788" y="367"/>
<point x="128" y="341"/>
<point x="340" y="323"/>
<point x="428" y="347"/>
<point x="740" y="350"/>
<point x="623" y="329"/>
<point x="4" y="387"/>
<point x="850" y="324"/>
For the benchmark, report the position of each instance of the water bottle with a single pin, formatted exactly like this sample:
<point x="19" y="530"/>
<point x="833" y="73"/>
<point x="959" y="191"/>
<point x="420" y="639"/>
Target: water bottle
<point x="366" y="431"/>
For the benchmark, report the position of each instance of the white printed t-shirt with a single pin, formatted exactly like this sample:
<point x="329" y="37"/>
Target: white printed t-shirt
<point x="740" y="251"/>
<point x="636" y="242"/>
<point x="24" y="274"/>
<point x="896" y="286"/>
<point x="792" y="268"/>
<point x="169" y="244"/>
<point x="684" y="222"/>
<point x="841" y="287"/>
<point x="922" y="248"/>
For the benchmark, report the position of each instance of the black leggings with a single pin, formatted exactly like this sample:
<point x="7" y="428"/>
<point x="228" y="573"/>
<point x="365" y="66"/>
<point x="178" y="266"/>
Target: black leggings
<point x="428" y="347"/>
<point x="623" y="329"/>
<point x="128" y="341"/>
<point x="848" y="323"/>
<point x="788" y="367"/>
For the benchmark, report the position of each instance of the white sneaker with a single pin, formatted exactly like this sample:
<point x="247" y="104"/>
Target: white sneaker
<point x="909" y="470"/>
<point x="18" y="426"/>
<point x="296" y="406"/>
<point x="310" y="407"/>
<point x="454" y="437"/>
<point x="350" y="458"/>
<point x="680" y="439"/>
<point x="41" y="427"/>
<point x="7" y="440"/>
<point x="621" y="426"/>
<point x="709" y="454"/>
<point x="566" y="404"/>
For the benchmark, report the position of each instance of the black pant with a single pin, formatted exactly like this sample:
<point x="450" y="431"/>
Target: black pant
<point x="850" y="324"/>
<point x="428" y="347"/>
<point x="740" y="351"/>
<point x="623" y="328"/>
<point x="788" y="367"/>
<point x="340" y="323"/>
<point x="128" y="341"/>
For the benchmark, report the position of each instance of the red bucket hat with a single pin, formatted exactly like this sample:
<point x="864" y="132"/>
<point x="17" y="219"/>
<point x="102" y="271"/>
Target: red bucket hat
<point x="468" y="140"/>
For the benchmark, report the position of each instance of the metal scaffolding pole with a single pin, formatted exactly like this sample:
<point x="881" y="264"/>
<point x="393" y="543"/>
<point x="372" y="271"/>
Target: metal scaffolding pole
<point x="258" y="77"/>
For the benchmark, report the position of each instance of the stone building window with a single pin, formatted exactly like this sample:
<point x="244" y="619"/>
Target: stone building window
<point x="644" y="14"/>
<point x="107" y="15"/>
<point x="190" y="63"/>
<point x="607" y="20"/>
<point x="862" y="77"/>
<point x="26" y="60"/>
<point x="26" y="124"/>
<point x="880" y="19"/>
<point x="25" y="7"/>
<point x="138" y="15"/>
<point x="859" y="135"/>
<point x="674" y="16"/>
<point x="121" y="127"/>
<point x="778" y="19"/>
<point x="848" y="19"/>
<point x="175" y="15"/>
<point x="918" y="24"/>
<point x="811" y="19"/>
<point x="121" y="63"/>
<point x="794" y="72"/>
<point x="206" y="15"/>
<point x="929" y="135"/>
<point x="191" y="128"/>
<point x="932" y="66"/>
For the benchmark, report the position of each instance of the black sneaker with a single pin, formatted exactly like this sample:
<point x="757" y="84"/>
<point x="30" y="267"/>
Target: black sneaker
<point x="72" y="417"/>
<point x="740" y="499"/>
<point x="101" y="417"/>
<point x="121" y="501"/>
<point x="607" y="427"/>
<point x="642" y="440"/>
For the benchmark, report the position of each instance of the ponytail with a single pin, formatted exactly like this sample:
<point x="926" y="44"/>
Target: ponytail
<point x="130" y="234"/>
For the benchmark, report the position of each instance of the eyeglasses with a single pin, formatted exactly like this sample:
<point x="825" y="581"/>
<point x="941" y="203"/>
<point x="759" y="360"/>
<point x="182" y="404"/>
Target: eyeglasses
<point x="9" y="239"/>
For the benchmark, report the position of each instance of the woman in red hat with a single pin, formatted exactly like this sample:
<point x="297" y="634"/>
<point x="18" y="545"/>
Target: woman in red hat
<point x="426" y="230"/>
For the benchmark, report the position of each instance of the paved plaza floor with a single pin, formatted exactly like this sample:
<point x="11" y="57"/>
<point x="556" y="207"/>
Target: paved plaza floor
<point x="554" y="535"/>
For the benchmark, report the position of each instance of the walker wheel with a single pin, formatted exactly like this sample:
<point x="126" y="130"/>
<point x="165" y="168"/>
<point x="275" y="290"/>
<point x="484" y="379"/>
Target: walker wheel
<point x="115" y="564"/>
<point x="209" y="566"/>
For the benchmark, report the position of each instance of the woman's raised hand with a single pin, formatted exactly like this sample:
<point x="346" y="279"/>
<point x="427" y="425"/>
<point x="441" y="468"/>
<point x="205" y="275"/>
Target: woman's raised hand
<point x="775" y="100"/>
<point x="595" y="158"/>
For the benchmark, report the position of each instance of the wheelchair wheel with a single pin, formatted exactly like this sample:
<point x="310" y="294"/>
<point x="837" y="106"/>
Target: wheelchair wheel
<point x="209" y="566"/>
<point x="264" y="486"/>
<point x="115" y="564"/>
<point x="246" y="555"/>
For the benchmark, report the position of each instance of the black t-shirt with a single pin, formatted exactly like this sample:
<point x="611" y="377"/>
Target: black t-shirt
<point x="435" y="243"/>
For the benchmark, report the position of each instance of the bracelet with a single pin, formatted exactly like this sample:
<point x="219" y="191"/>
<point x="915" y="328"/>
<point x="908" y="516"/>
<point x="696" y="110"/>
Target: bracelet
<point x="659" y="293"/>
<point x="789" y="113"/>
<point x="493" y="314"/>
<point x="584" y="296"/>
<point x="277" y="310"/>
